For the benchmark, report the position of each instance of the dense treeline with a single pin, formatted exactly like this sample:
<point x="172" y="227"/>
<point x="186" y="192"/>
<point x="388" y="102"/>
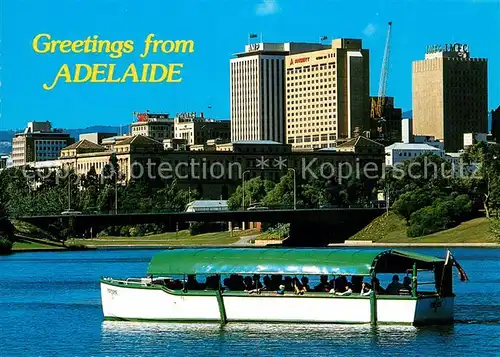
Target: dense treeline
<point x="28" y="194"/>
<point x="426" y="191"/>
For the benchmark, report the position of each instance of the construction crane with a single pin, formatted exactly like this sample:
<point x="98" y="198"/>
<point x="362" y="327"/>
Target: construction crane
<point x="384" y="74"/>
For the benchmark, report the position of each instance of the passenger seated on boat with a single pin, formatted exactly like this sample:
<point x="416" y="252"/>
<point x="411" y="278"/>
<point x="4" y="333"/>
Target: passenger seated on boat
<point x="323" y="285"/>
<point x="256" y="282"/>
<point x="339" y="284"/>
<point x="376" y="287"/>
<point x="276" y="281"/>
<point x="406" y="289"/>
<point x="253" y="285"/>
<point x="192" y="283"/>
<point x="298" y="288"/>
<point x="212" y="282"/>
<point x="347" y="292"/>
<point x="267" y="284"/>
<point x="288" y="283"/>
<point x="366" y="289"/>
<point x="394" y="287"/>
<point x="305" y="283"/>
<point x="236" y="282"/>
<point x="248" y="283"/>
<point x="342" y="287"/>
<point x="281" y="290"/>
<point x="227" y="284"/>
<point x="357" y="282"/>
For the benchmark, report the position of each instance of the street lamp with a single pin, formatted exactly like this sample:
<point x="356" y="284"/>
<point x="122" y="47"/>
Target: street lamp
<point x="294" y="188"/>
<point x="69" y="189"/>
<point x="243" y="185"/>
<point x="116" y="192"/>
<point x="387" y="201"/>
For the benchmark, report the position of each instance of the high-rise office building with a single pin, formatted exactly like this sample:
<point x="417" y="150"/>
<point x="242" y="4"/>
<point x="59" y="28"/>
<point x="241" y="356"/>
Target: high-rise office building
<point x="450" y="95"/>
<point x="257" y="90"/>
<point x="327" y="95"/>
<point x="38" y="142"/>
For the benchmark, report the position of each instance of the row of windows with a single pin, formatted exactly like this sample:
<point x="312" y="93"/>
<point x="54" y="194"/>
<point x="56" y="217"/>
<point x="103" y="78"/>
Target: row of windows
<point x="302" y="112"/>
<point x="326" y="99"/>
<point x="331" y="79"/>
<point x="309" y="88"/>
<point x="315" y="67"/>
<point x="47" y="142"/>
<point x="321" y="74"/>
<point x="313" y="130"/>
<point x="310" y="118"/>
<point x="312" y="124"/>
<point x="49" y="148"/>
<point x="311" y="138"/>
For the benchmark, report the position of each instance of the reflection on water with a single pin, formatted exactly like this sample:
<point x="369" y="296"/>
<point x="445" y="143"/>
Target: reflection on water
<point x="51" y="306"/>
<point x="265" y="338"/>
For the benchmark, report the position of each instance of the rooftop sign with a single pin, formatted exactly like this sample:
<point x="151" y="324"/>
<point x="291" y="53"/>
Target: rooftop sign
<point x="461" y="49"/>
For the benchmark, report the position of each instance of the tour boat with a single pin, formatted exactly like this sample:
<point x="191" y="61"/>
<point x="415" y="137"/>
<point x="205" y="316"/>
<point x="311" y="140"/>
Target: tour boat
<point x="166" y="295"/>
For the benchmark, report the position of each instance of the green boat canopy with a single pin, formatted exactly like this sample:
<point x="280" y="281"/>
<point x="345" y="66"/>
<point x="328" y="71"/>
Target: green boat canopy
<point x="287" y="261"/>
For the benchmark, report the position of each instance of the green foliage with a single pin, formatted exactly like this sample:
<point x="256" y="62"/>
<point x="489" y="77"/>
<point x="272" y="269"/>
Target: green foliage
<point x="6" y="227"/>
<point x="256" y="190"/>
<point x="444" y="213"/>
<point x="412" y="201"/>
<point x="280" y="230"/>
<point x="125" y="231"/>
<point x="426" y="171"/>
<point x="173" y="198"/>
<point x="75" y="246"/>
<point x="333" y="192"/>
<point x="495" y="228"/>
<point x="196" y="228"/>
<point x="5" y="246"/>
<point x="485" y="181"/>
<point x="281" y="194"/>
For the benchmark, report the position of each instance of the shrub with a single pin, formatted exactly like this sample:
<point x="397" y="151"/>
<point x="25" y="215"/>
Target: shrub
<point x="125" y="231"/>
<point x="281" y="230"/>
<point x="443" y="214"/>
<point x="5" y="246"/>
<point x="76" y="246"/>
<point x="137" y="231"/>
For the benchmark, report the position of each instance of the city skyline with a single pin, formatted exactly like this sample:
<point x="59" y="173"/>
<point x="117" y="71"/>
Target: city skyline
<point x="206" y="71"/>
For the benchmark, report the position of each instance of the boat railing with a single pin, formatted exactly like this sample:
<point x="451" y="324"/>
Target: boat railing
<point x="142" y="281"/>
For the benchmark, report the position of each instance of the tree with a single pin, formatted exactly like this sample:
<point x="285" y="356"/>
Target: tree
<point x="430" y="171"/>
<point x="332" y="191"/>
<point x="255" y="191"/>
<point x="282" y="193"/>
<point x="172" y="198"/>
<point x="485" y="181"/>
<point x="444" y="213"/>
<point x="412" y="201"/>
<point x="6" y="227"/>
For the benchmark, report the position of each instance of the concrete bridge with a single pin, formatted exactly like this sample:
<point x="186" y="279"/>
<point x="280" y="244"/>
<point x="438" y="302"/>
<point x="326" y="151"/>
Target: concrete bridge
<point x="308" y="227"/>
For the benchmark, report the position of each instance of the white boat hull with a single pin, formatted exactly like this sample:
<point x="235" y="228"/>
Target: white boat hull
<point x="137" y="302"/>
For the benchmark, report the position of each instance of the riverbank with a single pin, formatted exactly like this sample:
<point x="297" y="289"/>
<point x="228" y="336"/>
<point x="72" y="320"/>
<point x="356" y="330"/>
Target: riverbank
<point x="168" y="239"/>
<point x="390" y="230"/>
<point x="385" y="231"/>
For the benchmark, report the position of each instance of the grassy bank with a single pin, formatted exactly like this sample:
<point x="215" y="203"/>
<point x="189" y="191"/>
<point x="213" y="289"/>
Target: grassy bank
<point x="181" y="238"/>
<point x="392" y="229"/>
<point x="35" y="244"/>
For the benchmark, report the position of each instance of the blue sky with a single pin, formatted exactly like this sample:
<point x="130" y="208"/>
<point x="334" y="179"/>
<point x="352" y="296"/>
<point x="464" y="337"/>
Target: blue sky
<point x="219" y="29"/>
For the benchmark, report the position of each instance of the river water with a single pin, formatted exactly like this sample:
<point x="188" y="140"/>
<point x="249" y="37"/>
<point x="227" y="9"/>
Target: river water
<point x="50" y="306"/>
